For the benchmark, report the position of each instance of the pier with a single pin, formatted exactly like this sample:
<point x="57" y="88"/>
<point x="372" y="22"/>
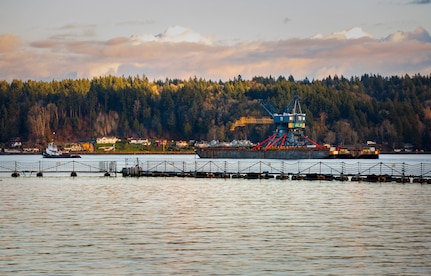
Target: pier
<point x="246" y="169"/>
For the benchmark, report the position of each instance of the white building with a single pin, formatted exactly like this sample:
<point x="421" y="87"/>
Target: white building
<point x="107" y="140"/>
<point x="140" y="141"/>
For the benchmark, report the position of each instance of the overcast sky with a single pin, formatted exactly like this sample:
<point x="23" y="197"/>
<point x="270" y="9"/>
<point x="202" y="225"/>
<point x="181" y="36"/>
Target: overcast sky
<point x="218" y="40"/>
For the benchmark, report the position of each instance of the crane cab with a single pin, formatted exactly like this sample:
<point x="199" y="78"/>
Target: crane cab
<point x="293" y="121"/>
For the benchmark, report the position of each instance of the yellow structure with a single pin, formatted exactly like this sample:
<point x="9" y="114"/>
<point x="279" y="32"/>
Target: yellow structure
<point x="243" y="121"/>
<point x="87" y="147"/>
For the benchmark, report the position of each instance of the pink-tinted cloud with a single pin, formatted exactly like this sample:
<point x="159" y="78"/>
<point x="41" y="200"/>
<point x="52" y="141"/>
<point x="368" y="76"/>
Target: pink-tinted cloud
<point x="182" y="53"/>
<point x="9" y="42"/>
<point x="419" y="34"/>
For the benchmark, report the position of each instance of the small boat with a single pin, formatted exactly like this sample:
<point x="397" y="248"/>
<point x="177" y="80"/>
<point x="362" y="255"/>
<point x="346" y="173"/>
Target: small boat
<point x="53" y="151"/>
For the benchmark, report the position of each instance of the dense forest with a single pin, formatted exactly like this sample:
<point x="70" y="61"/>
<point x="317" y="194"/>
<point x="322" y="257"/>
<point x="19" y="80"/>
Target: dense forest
<point x="393" y="111"/>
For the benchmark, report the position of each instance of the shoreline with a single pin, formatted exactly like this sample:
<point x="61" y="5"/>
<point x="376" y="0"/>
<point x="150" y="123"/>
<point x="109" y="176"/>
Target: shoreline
<point x="166" y="152"/>
<point x="106" y="153"/>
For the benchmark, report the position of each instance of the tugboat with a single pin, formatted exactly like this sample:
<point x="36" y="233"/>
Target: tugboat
<point x="53" y="151"/>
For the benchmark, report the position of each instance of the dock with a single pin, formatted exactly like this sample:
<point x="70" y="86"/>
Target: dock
<point x="246" y="169"/>
<point x="58" y="167"/>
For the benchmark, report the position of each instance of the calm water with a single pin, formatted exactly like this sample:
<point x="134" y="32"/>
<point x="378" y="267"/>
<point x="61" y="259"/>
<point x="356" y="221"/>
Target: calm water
<point x="149" y="226"/>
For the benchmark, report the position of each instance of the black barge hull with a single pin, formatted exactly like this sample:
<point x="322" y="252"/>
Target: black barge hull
<point x="237" y="153"/>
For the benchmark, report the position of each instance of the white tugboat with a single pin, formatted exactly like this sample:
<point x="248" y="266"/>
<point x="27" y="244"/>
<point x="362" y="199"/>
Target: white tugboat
<point x="53" y="151"/>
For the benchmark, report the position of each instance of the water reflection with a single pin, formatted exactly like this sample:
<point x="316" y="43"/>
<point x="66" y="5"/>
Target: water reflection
<point x="92" y="225"/>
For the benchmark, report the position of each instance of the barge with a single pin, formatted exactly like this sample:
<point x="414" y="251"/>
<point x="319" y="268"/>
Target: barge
<point x="288" y="141"/>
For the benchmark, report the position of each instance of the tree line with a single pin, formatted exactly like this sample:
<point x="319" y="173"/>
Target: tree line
<point x="392" y="111"/>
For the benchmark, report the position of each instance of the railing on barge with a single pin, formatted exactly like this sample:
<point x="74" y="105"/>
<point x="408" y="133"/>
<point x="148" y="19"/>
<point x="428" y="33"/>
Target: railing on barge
<point x="280" y="169"/>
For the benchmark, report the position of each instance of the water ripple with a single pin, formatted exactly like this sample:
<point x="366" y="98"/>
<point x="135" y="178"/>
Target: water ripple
<point x="170" y="226"/>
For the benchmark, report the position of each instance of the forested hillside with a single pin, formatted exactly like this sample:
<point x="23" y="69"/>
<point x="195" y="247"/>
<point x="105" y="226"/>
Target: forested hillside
<point x="389" y="110"/>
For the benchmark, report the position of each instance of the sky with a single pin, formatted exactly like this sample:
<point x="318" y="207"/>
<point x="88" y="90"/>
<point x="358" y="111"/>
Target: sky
<point x="217" y="40"/>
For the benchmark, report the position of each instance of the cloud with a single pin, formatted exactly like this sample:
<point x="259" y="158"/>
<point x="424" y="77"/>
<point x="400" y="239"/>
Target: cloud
<point x="420" y="2"/>
<point x="47" y="44"/>
<point x="137" y="22"/>
<point x="174" y="34"/>
<point x="286" y="20"/>
<point x="353" y="33"/>
<point x="73" y="30"/>
<point x="9" y="42"/>
<point x="76" y="26"/>
<point x="419" y="34"/>
<point x="182" y="53"/>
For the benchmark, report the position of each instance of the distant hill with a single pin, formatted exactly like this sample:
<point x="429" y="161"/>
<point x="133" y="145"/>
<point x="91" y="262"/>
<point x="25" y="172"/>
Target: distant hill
<point x="392" y="111"/>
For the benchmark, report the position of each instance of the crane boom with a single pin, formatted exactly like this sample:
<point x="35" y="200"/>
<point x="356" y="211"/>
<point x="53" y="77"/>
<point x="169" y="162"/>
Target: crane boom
<point x="243" y="121"/>
<point x="268" y="107"/>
